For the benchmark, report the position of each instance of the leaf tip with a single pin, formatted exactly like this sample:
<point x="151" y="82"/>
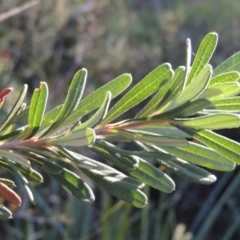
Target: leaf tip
<point x="84" y="70"/>
<point x="4" y="92"/>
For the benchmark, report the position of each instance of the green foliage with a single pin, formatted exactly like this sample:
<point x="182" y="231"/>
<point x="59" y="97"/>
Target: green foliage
<point x="188" y="104"/>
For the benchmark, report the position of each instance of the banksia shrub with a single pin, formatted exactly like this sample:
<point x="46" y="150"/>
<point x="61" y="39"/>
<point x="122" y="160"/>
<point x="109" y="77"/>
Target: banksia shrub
<point x="174" y="130"/>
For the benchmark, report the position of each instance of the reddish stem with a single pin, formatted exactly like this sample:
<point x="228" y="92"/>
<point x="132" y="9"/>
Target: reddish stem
<point x="19" y="145"/>
<point x="109" y="129"/>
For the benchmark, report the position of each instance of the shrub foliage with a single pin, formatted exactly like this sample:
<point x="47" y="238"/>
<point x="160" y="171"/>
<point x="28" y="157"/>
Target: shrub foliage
<point x="172" y="132"/>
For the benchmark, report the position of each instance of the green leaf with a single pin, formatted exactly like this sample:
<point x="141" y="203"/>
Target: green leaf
<point x="20" y="133"/>
<point x="9" y="135"/>
<point x="34" y="177"/>
<point x="151" y="138"/>
<point x="188" y="171"/>
<point x="232" y="76"/>
<point x="102" y="148"/>
<point x="192" y="107"/>
<point x="166" y="130"/>
<point x="202" y="156"/>
<point x="150" y="84"/>
<point x="222" y="145"/>
<point x="37" y="108"/>
<point x="8" y="182"/>
<point x="192" y="90"/>
<point x="221" y="90"/>
<point x="52" y="168"/>
<point x="30" y="174"/>
<point x="78" y="160"/>
<point x="99" y="115"/>
<point x="15" y="109"/>
<point x="151" y="106"/>
<point x="231" y="64"/>
<point x="70" y="181"/>
<point x="203" y="55"/>
<point x="187" y="109"/>
<point x="23" y="180"/>
<point x="176" y="86"/>
<point x="9" y="129"/>
<point x="89" y="103"/>
<point x="5" y="212"/>
<point x="169" y="89"/>
<point x="142" y="171"/>
<point x="214" y="121"/>
<point x="115" y="150"/>
<point x="74" y="95"/>
<point x="226" y="104"/>
<point x="117" y="184"/>
<point x="77" y="138"/>
<point x="15" y="157"/>
<point x="153" y="177"/>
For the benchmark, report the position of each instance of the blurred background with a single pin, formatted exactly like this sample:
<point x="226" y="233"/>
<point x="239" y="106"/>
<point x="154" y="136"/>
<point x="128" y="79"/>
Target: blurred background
<point x="50" y="42"/>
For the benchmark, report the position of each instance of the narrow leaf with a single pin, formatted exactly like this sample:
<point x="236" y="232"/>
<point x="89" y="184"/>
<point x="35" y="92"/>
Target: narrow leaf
<point x="151" y="138"/>
<point x="34" y="177"/>
<point x="113" y="149"/>
<point x="226" y="104"/>
<point x="52" y="168"/>
<point x="5" y="213"/>
<point x="187" y="109"/>
<point x="99" y="115"/>
<point x="33" y="105"/>
<point x="231" y="64"/>
<point x="15" y="108"/>
<point x="166" y="130"/>
<point x="214" y="121"/>
<point x="203" y="55"/>
<point x="153" y="177"/>
<point x="74" y="95"/>
<point x="78" y="160"/>
<point x="37" y="107"/>
<point x="70" y="181"/>
<point x="232" y="76"/>
<point x="176" y="86"/>
<point x="125" y="164"/>
<point x="224" y="146"/>
<point x="202" y="156"/>
<point x="144" y="171"/>
<point x="191" y="91"/>
<point x="110" y="154"/>
<point x="76" y="138"/>
<point x="22" y="180"/>
<point x="30" y="174"/>
<point x="221" y="90"/>
<point x="15" y="157"/>
<point x="117" y="184"/>
<point x="188" y="171"/>
<point x="11" y="135"/>
<point x="8" y="182"/>
<point x="151" y="83"/>
<point x="89" y="103"/>
<point x="169" y="89"/>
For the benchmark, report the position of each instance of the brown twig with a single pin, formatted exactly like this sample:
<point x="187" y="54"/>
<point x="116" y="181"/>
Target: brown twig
<point x="4" y="16"/>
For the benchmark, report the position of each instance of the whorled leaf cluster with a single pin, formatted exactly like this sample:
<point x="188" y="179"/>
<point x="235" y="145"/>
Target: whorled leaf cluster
<point x="185" y="105"/>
